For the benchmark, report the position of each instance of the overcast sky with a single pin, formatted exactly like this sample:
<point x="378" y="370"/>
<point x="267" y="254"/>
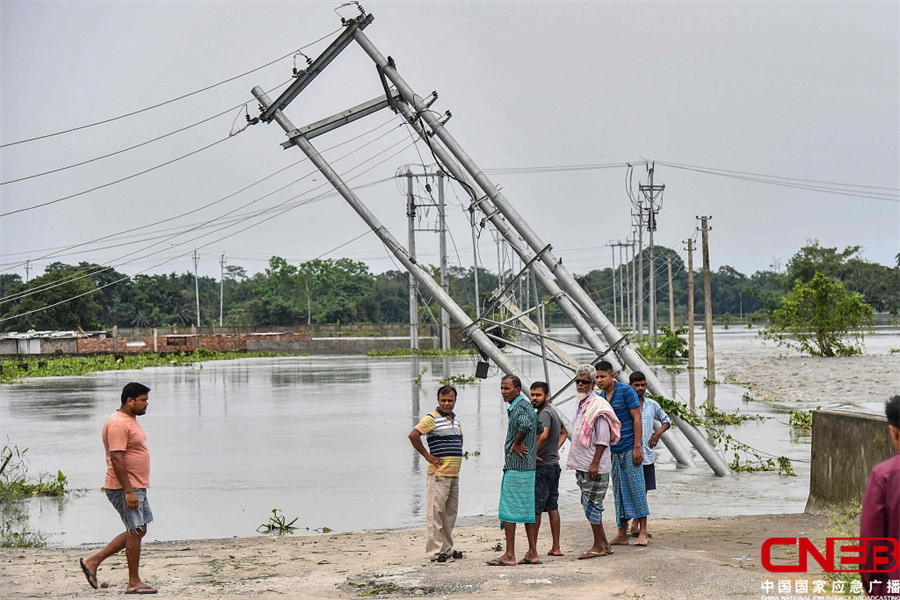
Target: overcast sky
<point x="806" y="91"/>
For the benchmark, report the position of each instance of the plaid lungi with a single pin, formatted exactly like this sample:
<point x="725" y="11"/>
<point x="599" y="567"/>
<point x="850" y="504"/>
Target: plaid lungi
<point x="629" y="489"/>
<point x="593" y="491"/>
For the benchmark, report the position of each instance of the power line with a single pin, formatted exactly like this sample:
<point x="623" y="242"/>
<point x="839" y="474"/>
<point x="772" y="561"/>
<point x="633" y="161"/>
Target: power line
<point x="123" y="150"/>
<point x="183" y="96"/>
<point x="222" y="199"/>
<point x="107" y="265"/>
<point x="828" y="187"/>
<point x="111" y="183"/>
<point x="233" y="233"/>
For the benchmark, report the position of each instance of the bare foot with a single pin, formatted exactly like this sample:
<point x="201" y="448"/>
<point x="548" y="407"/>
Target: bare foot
<point x="642" y="540"/>
<point x="619" y="540"/>
<point x="555" y="552"/>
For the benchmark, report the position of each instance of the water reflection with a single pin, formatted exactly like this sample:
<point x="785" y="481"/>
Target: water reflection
<point x="325" y="439"/>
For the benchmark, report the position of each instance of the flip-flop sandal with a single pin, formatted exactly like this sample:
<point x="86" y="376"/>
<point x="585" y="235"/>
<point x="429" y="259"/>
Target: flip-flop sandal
<point x="594" y="554"/>
<point x="496" y="562"/>
<point x="144" y="589"/>
<point x="525" y="561"/>
<point x="91" y="577"/>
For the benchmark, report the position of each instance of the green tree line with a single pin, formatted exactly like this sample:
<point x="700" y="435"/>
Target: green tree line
<point x="342" y="290"/>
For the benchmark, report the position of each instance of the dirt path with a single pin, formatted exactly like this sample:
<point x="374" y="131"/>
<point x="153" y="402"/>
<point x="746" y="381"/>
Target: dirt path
<point x="687" y="558"/>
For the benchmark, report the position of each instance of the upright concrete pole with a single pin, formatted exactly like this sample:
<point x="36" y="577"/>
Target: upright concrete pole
<point x="690" y="251"/>
<point x="475" y="265"/>
<point x="708" y="323"/>
<point x="197" y="287"/>
<point x="424" y="279"/>
<point x="671" y="295"/>
<point x="563" y="301"/>
<point x="640" y="278"/>
<point x="445" y="282"/>
<point x="651" y="226"/>
<point x="221" y="288"/>
<point x="567" y="281"/>
<point x="623" y="279"/>
<point x="413" y="290"/>
<point x="612" y="248"/>
<point x="633" y="286"/>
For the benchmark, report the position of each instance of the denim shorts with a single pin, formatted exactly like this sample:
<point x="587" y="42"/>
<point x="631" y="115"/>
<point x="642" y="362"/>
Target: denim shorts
<point x="546" y="488"/>
<point x="133" y="519"/>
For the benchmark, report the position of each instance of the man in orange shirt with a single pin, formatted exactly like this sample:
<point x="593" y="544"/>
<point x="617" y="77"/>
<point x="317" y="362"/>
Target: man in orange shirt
<point x="127" y="480"/>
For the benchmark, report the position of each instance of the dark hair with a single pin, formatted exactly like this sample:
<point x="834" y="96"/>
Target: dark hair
<point x="540" y="385"/>
<point x="605" y="366"/>
<point x="892" y="411"/>
<point x="446" y="388"/>
<point x="133" y="390"/>
<point x="515" y="380"/>
<point x="636" y="376"/>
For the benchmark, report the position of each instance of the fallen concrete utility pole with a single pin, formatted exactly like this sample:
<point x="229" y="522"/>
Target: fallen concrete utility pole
<point x="425" y="279"/>
<point x="565" y="279"/>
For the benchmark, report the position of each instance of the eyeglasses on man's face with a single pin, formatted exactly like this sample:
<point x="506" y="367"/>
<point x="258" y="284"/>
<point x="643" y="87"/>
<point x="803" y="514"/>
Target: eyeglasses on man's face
<point x="583" y="382"/>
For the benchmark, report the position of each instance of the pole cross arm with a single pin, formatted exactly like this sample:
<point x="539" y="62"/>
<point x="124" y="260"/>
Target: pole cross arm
<point x="304" y="78"/>
<point x="342" y="118"/>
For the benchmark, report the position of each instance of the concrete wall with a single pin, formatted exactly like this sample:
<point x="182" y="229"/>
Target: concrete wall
<point x="341" y="345"/>
<point x="64" y="345"/>
<point x="845" y="447"/>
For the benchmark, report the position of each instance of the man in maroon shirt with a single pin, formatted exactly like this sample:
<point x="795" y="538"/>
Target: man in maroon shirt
<point x="880" y="516"/>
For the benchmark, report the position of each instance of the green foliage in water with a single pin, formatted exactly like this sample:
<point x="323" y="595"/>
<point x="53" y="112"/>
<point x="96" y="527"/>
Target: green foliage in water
<point x="746" y="458"/>
<point x="822" y="318"/>
<point x="719" y="417"/>
<point x="669" y="346"/>
<point x="53" y="366"/>
<point x="802" y="419"/>
<point x="458" y="379"/>
<point x="16" y="485"/>
<point x="277" y="524"/>
<point x="415" y="352"/>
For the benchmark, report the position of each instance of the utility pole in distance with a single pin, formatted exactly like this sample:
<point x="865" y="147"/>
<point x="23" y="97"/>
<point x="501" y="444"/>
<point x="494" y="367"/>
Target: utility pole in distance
<point x="221" y="287"/>
<point x="612" y="247"/>
<point x="708" y="323"/>
<point x="671" y="296"/>
<point x="651" y="194"/>
<point x="197" y="287"/>
<point x="413" y="288"/>
<point x="637" y="217"/>
<point x="690" y="251"/>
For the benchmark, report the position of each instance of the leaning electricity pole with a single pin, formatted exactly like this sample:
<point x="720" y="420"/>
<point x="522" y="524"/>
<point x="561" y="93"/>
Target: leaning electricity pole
<point x="708" y="326"/>
<point x="415" y="108"/>
<point x="300" y="138"/>
<point x="651" y="194"/>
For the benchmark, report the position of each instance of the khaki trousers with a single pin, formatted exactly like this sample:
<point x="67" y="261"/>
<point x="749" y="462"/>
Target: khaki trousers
<point x="442" y="503"/>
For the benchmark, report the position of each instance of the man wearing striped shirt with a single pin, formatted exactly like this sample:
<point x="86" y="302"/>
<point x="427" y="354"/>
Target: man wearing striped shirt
<point x="444" y="456"/>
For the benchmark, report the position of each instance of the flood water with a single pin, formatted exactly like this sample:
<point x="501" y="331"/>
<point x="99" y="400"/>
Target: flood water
<point x="324" y="439"/>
